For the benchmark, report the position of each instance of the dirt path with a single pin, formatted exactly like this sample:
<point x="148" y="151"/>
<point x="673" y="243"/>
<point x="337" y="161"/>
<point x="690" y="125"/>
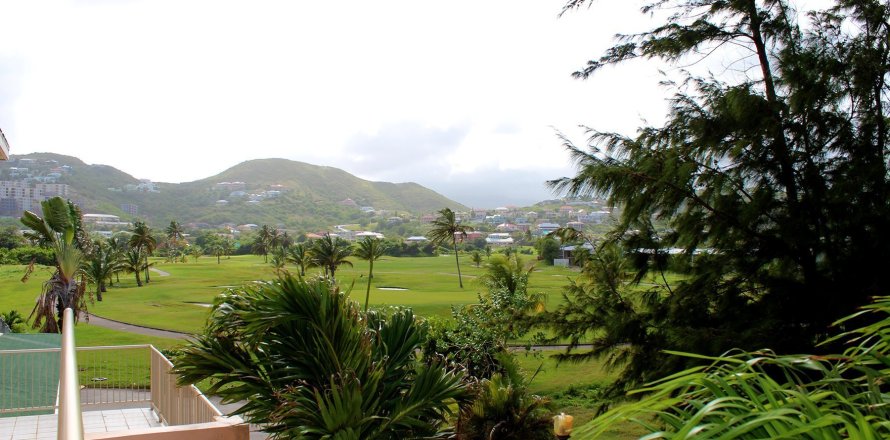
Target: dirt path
<point x="160" y="272"/>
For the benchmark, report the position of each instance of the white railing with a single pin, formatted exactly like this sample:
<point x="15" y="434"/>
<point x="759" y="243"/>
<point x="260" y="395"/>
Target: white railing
<point x="115" y="376"/>
<point x="177" y="405"/>
<point x="29" y="381"/>
<point x="70" y="425"/>
<point x="85" y="378"/>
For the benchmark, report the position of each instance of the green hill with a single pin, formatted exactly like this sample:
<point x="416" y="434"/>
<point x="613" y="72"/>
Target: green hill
<point x="276" y="191"/>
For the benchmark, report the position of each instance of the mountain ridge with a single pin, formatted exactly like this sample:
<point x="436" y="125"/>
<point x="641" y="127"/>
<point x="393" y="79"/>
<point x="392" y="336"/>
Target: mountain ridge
<point x="276" y="191"/>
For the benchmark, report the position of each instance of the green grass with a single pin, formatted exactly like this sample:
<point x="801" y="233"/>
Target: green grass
<point x="557" y="380"/>
<point x="172" y="302"/>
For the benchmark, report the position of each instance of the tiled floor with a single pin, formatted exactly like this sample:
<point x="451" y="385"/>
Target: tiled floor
<point x="44" y="427"/>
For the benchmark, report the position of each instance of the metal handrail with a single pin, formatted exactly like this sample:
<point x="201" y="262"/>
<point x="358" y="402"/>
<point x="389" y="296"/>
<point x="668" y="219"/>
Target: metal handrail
<point x="70" y="421"/>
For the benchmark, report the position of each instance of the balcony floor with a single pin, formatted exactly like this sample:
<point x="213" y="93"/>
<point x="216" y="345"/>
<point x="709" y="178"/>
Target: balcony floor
<point x="43" y="427"/>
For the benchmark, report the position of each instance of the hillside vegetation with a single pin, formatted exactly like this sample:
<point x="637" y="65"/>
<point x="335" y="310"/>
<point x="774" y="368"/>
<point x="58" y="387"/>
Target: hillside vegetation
<point x="310" y="195"/>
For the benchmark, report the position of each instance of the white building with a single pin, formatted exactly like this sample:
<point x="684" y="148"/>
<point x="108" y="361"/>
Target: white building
<point x="499" y="239"/>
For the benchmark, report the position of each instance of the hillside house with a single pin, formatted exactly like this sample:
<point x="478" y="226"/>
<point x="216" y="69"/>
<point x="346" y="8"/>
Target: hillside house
<point x="499" y="239"/>
<point x="471" y="235"/>
<point x="4" y="147"/>
<point x="546" y="228"/>
<point x="230" y="186"/>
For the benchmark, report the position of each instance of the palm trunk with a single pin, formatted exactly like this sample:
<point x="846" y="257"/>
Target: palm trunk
<point x="457" y="261"/>
<point x="368" y="291"/>
<point x="138" y="280"/>
<point x="147" y="278"/>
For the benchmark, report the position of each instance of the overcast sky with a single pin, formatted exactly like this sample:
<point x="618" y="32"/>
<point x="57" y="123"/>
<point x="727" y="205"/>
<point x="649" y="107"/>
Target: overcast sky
<point x="463" y="97"/>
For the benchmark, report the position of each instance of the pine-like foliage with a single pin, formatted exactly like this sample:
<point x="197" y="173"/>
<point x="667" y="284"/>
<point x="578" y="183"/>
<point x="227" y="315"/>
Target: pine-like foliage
<point x="774" y="182"/>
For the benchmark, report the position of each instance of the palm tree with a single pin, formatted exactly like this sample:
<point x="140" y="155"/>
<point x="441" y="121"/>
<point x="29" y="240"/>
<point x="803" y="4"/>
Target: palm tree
<point x="505" y="410"/>
<point x="101" y="265"/>
<point x="228" y="247"/>
<point x="60" y="229"/>
<point x="217" y="247"/>
<point x="264" y="242"/>
<point x="369" y="249"/>
<point x="117" y="245"/>
<point x="476" y="257"/>
<point x="445" y="230"/>
<point x="134" y="263"/>
<point x="279" y="261"/>
<point x="174" y="236"/>
<point x="508" y="272"/>
<point x="143" y="240"/>
<point x="196" y="252"/>
<point x="14" y="320"/>
<point x="298" y="254"/>
<point x="309" y="364"/>
<point x="329" y="253"/>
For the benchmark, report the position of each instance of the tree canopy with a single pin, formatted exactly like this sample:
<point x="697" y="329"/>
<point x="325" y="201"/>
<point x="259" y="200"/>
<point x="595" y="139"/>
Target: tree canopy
<point x="772" y="180"/>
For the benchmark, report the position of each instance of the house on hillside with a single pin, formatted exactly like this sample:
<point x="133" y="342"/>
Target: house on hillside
<point x="471" y="235"/>
<point x="546" y="228"/>
<point x="499" y="239"/>
<point x="4" y="147"/>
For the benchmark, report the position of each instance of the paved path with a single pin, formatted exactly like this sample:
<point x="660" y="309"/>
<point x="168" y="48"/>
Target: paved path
<point x="138" y="329"/>
<point x="160" y="272"/>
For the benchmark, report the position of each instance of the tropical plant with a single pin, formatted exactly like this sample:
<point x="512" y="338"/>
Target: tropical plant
<point x="175" y="235"/>
<point x="264" y="242"/>
<point x="755" y="395"/>
<point x="480" y="332"/>
<point x="504" y="409"/>
<point x="329" y="253"/>
<point x="14" y="320"/>
<point x="134" y="262"/>
<point x="369" y="249"/>
<point x="476" y="258"/>
<point x="445" y="229"/>
<point x="142" y="238"/>
<point x="279" y="261"/>
<point x="217" y="247"/>
<point x="101" y="265"/>
<point x="308" y="364"/>
<point x="60" y="229"/>
<point x="117" y="245"/>
<point x="507" y="271"/>
<point x="299" y="255"/>
<point x="196" y="252"/>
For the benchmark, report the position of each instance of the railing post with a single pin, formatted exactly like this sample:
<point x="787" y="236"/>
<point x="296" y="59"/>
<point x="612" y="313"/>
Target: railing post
<point x="70" y="419"/>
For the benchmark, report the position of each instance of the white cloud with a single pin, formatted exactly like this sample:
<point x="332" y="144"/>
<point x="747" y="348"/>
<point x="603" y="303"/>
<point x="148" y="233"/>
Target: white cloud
<point x="177" y="91"/>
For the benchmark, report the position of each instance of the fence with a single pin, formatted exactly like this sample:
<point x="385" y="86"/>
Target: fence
<point x="29" y="381"/>
<point x="177" y="405"/>
<point x="109" y="377"/>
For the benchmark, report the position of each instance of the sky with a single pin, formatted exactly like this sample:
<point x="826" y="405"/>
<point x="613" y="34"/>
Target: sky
<point x="463" y="97"/>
